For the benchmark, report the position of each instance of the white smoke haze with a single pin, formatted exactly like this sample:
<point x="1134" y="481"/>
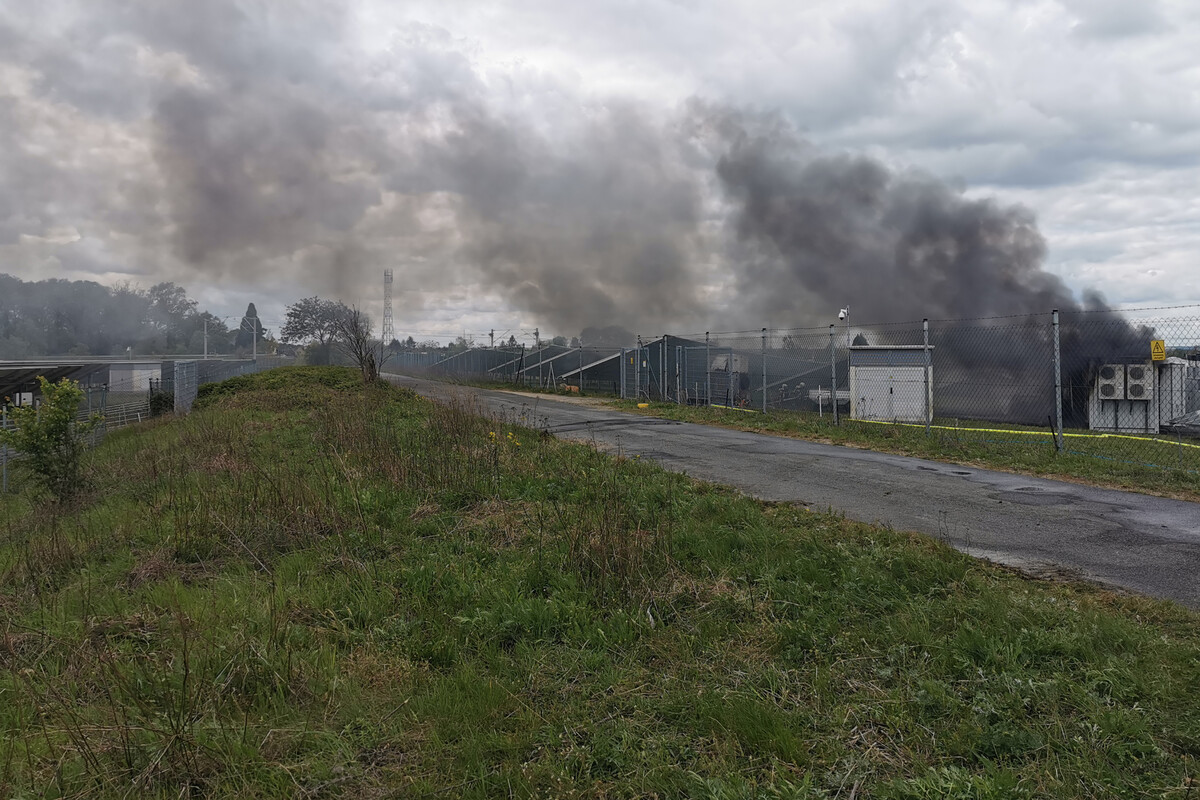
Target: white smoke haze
<point x="273" y="150"/>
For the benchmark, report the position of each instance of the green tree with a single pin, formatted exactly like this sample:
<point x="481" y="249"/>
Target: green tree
<point x="314" y="319"/>
<point x="250" y="332"/>
<point x="172" y="314"/>
<point x="51" y="437"/>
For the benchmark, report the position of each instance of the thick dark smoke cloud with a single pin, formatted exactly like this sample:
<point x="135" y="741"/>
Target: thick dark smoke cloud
<point x="845" y="228"/>
<point x="261" y="146"/>
<point x="838" y="229"/>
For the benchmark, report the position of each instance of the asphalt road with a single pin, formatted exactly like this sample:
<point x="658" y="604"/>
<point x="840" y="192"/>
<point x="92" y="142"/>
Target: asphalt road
<point x="1136" y="542"/>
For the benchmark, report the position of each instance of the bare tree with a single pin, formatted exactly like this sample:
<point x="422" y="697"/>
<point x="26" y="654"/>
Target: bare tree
<point x="352" y="334"/>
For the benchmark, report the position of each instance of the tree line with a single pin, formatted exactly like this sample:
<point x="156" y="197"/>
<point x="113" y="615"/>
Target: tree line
<point x="58" y="317"/>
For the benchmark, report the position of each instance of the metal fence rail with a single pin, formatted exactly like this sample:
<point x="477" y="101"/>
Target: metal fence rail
<point x="96" y="401"/>
<point x="189" y="376"/>
<point x="1120" y="387"/>
<point x="181" y="380"/>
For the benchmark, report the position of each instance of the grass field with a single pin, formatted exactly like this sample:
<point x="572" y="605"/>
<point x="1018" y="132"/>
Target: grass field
<point x="1159" y="467"/>
<point x="311" y="588"/>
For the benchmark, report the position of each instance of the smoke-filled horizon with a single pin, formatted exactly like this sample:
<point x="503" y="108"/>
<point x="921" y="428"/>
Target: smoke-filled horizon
<point x="246" y="150"/>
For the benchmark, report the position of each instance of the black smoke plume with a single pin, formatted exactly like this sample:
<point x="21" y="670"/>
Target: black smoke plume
<point x="843" y="229"/>
<point x="263" y="149"/>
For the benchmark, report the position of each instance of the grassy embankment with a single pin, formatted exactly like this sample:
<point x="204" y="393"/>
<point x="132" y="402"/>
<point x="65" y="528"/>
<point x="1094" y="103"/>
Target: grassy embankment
<point x="1158" y="467"/>
<point x="310" y="588"/>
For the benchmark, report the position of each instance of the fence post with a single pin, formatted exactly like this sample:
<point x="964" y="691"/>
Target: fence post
<point x="622" y="372"/>
<point x="104" y="410"/>
<point x="678" y="377"/>
<point x="707" y="375"/>
<point x="3" y="452"/>
<point x="764" y="369"/>
<point x="833" y="374"/>
<point x="662" y="369"/>
<point x="928" y="395"/>
<point x="730" y="389"/>
<point x="1058" y="422"/>
<point x="637" y="370"/>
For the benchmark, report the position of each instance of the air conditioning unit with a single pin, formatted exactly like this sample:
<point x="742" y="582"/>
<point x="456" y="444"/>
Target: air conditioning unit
<point x="1110" y="383"/>
<point x="1139" y="382"/>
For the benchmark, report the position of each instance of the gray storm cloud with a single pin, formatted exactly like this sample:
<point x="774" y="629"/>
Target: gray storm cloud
<point x="280" y="159"/>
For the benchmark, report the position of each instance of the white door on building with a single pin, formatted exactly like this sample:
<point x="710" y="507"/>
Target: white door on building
<point x="890" y="393"/>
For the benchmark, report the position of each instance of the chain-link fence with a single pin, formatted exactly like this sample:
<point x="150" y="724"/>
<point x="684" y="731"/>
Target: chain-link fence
<point x="1122" y="387"/>
<point x="186" y="377"/>
<point x="575" y="368"/>
<point x="97" y="399"/>
<point x="179" y="384"/>
<point x="1119" y="387"/>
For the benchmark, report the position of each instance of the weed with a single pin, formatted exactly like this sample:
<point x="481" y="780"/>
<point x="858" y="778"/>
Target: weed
<point x="314" y="587"/>
<point x="50" y="437"/>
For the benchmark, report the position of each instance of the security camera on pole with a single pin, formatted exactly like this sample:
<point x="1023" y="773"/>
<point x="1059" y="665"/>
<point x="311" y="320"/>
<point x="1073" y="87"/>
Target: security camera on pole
<point x="845" y="314"/>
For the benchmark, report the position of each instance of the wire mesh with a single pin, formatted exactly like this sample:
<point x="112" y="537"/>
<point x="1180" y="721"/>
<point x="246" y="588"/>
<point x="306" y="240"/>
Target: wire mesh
<point x="97" y="399"/>
<point x="1119" y="388"/>
<point x="118" y="408"/>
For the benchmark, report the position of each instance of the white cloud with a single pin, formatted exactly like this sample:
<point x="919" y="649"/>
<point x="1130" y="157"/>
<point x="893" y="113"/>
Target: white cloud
<point x="1086" y="111"/>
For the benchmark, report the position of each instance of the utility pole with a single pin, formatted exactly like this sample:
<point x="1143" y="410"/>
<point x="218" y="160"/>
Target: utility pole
<point x="537" y="340"/>
<point x="206" y="337"/>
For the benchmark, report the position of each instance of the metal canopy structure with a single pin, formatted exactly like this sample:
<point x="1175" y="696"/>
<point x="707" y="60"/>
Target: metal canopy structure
<point x="16" y="378"/>
<point x="586" y="367"/>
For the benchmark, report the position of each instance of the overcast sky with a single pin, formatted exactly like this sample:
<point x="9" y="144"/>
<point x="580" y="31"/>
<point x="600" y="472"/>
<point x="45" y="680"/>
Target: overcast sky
<point x="646" y="164"/>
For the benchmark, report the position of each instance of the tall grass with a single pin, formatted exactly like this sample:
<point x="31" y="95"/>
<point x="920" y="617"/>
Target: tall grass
<point x="310" y="588"/>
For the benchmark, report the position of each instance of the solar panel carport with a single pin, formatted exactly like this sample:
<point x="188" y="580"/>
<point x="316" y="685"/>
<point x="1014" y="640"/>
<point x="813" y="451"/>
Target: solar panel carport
<point x="22" y="377"/>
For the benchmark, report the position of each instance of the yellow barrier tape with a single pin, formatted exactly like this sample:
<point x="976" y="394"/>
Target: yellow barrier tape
<point x="1035" y="433"/>
<point x="735" y="408"/>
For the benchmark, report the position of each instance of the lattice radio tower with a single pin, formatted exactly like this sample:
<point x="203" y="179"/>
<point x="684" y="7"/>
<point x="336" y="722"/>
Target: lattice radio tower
<point x="388" y="331"/>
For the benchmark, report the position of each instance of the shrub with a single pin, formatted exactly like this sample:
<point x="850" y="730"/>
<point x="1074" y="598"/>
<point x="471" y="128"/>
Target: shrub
<point x="161" y="403"/>
<point x="51" y="438"/>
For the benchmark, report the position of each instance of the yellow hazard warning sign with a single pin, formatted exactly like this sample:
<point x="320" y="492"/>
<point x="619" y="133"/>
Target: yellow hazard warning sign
<point x="1158" y="350"/>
